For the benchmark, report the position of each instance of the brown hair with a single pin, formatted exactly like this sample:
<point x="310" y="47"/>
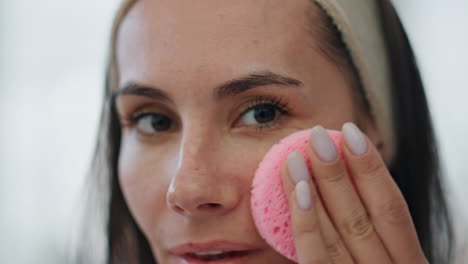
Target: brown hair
<point x="415" y="167"/>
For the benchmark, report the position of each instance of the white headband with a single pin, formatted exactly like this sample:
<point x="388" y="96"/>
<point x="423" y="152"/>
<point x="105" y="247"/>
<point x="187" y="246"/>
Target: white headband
<point x="360" y="25"/>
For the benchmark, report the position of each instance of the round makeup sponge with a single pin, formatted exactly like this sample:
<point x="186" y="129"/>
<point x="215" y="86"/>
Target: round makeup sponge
<point x="269" y="204"/>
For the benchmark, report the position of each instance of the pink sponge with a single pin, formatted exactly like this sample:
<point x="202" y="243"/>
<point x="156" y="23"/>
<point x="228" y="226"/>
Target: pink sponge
<point x="269" y="204"/>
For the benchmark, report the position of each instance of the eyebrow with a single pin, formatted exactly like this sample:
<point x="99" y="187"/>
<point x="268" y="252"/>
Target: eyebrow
<point x="227" y="89"/>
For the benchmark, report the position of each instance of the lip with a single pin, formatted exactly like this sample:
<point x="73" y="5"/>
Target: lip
<point x="181" y="252"/>
<point x="212" y="245"/>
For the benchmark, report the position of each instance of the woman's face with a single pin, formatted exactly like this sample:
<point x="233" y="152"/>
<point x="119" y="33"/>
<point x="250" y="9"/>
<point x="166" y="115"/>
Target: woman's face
<point x="207" y="87"/>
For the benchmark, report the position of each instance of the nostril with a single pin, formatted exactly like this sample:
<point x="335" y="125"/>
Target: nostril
<point x="178" y="209"/>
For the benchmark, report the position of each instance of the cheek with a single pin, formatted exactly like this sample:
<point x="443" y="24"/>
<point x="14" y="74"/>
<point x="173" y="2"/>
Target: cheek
<point x="144" y="183"/>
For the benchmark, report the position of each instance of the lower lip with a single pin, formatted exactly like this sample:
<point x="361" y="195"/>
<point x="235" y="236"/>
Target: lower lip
<point x="230" y="260"/>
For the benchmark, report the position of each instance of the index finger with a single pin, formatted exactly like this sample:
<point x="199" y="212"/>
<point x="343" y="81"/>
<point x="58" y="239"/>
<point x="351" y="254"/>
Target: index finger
<point x="308" y="238"/>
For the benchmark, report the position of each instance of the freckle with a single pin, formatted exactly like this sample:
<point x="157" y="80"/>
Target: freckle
<point x="255" y="42"/>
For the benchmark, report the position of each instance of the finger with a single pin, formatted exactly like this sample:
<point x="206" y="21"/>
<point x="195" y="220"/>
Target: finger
<point x="345" y="208"/>
<point x="382" y="197"/>
<point x="333" y="243"/>
<point x="308" y="238"/>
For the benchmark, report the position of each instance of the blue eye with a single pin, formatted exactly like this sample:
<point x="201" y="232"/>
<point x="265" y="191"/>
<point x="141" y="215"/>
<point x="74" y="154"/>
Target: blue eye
<point x="150" y="123"/>
<point x="264" y="112"/>
<point x="260" y="114"/>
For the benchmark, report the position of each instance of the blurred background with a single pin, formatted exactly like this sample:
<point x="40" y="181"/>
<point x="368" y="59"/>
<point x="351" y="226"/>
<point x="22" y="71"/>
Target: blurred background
<point x="52" y="57"/>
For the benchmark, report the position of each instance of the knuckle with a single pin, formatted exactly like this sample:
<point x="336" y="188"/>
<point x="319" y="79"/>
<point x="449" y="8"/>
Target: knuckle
<point x="335" y="176"/>
<point x="358" y="225"/>
<point x="308" y="229"/>
<point x="335" y="249"/>
<point x="372" y="170"/>
<point x="394" y="212"/>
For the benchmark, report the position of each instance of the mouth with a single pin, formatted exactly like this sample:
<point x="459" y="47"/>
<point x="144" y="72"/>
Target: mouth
<point x="215" y="252"/>
<point x="231" y="257"/>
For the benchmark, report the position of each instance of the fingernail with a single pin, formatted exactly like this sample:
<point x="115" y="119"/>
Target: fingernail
<point x="354" y="138"/>
<point x="304" y="199"/>
<point x="323" y="144"/>
<point x="297" y="167"/>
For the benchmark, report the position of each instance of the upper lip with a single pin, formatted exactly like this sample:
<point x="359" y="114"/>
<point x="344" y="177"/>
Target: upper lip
<point x="212" y="245"/>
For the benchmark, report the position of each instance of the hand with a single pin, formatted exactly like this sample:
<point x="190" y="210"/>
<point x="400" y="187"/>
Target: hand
<point x="344" y="220"/>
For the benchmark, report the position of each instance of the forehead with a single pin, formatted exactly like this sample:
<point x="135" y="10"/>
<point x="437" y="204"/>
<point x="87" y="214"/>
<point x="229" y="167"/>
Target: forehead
<point x="206" y="36"/>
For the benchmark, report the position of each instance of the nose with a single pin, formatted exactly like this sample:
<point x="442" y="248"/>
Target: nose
<point x="202" y="186"/>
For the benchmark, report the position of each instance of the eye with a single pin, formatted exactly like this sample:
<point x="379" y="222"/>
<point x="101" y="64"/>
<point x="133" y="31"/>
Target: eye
<point x="260" y="114"/>
<point x="150" y="123"/>
<point x="264" y="112"/>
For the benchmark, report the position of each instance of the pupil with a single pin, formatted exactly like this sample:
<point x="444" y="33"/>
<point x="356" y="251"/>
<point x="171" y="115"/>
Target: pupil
<point x="160" y="122"/>
<point x="264" y="114"/>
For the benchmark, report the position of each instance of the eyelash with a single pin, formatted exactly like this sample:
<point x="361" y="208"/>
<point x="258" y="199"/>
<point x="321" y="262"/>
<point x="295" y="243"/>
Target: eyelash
<point x="132" y="120"/>
<point x="277" y="102"/>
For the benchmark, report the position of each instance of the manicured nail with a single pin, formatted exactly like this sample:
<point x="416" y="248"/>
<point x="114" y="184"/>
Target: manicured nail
<point x="354" y="138"/>
<point x="323" y="144"/>
<point x="304" y="199"/>
<point x="297" y="167"/>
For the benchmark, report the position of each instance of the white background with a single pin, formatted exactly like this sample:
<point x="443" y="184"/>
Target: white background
<point x="52" y="56"/>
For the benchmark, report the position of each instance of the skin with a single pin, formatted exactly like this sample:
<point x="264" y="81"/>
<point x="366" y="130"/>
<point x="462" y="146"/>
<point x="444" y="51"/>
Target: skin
<point x="191" y="183"/>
